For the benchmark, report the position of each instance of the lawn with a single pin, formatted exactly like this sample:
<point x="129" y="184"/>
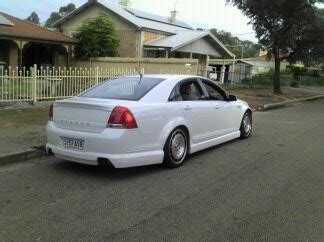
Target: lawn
<point x="259" y="96"/>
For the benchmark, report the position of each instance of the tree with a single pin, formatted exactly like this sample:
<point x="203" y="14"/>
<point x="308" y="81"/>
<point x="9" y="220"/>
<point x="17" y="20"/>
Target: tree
<point x="64" y="10"/>
<point x="286" y="29"/>
<point x="233" y="43"/>
<point x="97" y="38"/>
<point x="52" y="19"/>
<point x="315" y="55"/>
<point x="33" y="18"/>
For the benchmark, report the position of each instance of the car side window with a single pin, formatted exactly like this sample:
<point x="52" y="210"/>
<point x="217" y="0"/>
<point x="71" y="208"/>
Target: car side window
<point x="175" y="95"/>
<point x="213" y="92"/>
<point x="190" y="91"/>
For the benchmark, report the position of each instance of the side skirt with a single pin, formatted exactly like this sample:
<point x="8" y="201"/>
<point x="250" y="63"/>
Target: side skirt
<point x="215" y="141"/>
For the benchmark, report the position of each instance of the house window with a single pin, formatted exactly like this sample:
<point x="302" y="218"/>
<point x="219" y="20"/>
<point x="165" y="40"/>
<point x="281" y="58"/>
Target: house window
<point x="154" y="53"/>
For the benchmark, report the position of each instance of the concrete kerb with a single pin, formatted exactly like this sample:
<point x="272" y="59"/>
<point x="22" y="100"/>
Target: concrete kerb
<point x="22" y="156"/>
<point x="268" y="107"/>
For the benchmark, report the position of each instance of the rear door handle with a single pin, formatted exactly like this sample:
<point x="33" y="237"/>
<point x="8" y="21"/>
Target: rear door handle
<point x="187" y="108"/>
<point x="217" y="107"/>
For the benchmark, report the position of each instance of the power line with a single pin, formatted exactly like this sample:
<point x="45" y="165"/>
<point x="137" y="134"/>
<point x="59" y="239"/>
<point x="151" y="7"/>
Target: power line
<point x="244" y="33"/>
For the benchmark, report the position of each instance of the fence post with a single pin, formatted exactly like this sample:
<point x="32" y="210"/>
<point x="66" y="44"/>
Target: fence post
<point x="34" y="84"/>
<point x="222" y="74"/>
<point x="97" y="75"/>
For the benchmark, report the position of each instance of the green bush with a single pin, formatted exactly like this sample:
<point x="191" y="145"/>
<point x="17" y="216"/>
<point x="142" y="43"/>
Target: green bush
<point x="98" y="38"/>
<point x="321" y="81"/>
<point x="294" y="84"/>
<point x="314" y="73"/>
<point x="285" y="72"/>
<point x="298" y="71"/>
<point x="246" y="81"/>
<point x="262" y="79"/>
<point x="291" y="76"/>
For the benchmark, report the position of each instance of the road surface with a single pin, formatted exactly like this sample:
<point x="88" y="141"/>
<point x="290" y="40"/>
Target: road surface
<point x="266" y="188"/>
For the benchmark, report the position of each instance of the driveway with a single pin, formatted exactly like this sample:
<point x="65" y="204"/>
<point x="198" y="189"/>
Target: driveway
<point x="266" y="188"/>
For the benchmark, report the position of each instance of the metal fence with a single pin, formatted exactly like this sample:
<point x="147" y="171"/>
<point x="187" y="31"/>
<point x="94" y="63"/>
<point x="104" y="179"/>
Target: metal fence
<point x="37" y="84"/>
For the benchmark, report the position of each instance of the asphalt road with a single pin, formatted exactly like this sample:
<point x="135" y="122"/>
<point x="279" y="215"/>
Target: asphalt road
<point x="266" y="188"/>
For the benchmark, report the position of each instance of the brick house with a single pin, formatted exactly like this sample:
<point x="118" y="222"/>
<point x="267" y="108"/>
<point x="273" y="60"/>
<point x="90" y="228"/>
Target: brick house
<point x="23" y="44"/>
<point x="144" y="34"/>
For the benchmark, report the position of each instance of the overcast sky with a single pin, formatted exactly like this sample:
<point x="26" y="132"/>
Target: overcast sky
<point x="200" y="13"/>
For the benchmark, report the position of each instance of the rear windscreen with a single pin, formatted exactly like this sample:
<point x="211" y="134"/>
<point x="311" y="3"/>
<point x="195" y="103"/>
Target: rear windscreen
<point x="124" y="88"/>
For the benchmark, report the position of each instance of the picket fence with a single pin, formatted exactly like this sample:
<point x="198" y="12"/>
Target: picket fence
<point x="36" y="84"/>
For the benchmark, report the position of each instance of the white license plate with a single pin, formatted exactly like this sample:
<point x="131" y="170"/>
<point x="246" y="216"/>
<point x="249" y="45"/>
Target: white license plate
<point x="76" y="144"/>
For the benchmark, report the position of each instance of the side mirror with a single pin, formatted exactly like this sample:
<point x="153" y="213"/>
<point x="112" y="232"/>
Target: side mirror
<point x="232" y="98"/>
<point x="203" y="97"/>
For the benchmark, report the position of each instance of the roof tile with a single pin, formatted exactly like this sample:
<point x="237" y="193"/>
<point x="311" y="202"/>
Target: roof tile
<point x="27" y="30"/>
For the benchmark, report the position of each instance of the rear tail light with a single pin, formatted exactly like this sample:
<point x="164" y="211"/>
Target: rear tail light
<point x="121" y="117"/>
<point x="50" y="112"/>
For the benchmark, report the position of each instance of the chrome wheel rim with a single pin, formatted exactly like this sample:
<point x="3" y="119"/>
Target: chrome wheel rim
<point x="247" y="124"/>
<point x="178" y="146"/>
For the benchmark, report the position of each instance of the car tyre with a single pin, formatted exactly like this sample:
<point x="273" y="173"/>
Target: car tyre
<point x="176" y="148"/>
<point x="246" y="125"/>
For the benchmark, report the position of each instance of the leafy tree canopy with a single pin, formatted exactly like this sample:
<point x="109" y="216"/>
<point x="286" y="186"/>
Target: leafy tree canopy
<point x="52" y="19"/>
<point x="234" y="44"/>
<point x="97" y="38"/>
<point x="64" y="10"/>
<point x="33" y="17"/>
<point x="287" y="29"/>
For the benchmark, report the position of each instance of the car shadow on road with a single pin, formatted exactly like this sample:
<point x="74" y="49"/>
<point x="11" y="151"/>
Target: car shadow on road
<point x="75" y="169"/>
<point x="80" y="170"/>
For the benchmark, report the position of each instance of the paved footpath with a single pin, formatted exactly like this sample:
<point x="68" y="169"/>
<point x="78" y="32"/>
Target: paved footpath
<point x="266" y="188"/>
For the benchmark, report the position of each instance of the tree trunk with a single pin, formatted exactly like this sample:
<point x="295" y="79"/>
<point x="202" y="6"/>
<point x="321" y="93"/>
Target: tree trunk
<point x="276" y="77"/>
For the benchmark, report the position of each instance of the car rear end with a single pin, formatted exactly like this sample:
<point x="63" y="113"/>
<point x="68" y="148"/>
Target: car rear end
<point x="94" y="128"/>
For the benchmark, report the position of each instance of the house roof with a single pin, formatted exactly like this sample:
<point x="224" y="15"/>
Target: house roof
<point x="176" y="41"/>
<point x="24" y="29"/>
<point x="136" y="17"/>
<point x="5" y="21"/>
<point x="183" y="38"/>
<point x="157" y="18"/>
<point x="221" y="61"/>
<point x="259" y="63"/>
<point x="181" y="33"/>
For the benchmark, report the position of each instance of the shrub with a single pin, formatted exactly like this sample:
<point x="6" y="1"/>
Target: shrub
<point x="314" y="73"/>
<point x="294" y="84"/>
<point x="262" y="79"/>
<point x="321" y="81"/>
<point x="98" y="38"/>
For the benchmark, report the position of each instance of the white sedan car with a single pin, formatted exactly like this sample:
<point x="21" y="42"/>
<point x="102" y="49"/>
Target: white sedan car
<point x="143" y="120"/>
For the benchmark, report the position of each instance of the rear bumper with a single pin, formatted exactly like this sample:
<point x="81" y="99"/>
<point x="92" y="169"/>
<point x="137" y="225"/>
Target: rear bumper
<point x="117" y="146"/>
<point x="118" y="161"/>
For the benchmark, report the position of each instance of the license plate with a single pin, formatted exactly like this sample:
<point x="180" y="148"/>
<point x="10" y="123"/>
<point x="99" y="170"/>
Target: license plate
<point x="76" y="144"/>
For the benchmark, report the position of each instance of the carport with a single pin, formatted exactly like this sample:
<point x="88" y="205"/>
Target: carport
<point x="200" y="45"/>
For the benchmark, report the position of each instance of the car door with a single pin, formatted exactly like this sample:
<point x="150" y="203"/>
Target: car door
<point x="224" y="112"/>
<point x="196" y="109"/>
